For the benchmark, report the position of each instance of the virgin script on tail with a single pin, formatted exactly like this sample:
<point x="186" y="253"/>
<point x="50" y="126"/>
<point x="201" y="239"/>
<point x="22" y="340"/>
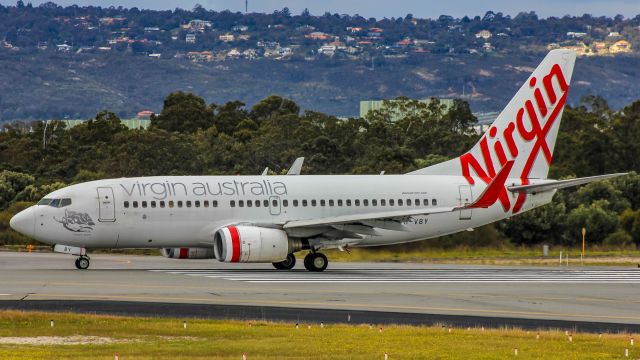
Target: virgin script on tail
<point x="532" y="124"/>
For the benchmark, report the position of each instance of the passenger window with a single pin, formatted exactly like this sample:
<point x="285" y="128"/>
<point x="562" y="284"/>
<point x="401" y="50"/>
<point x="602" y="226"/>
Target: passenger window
<point x="304" y="202"/>
<point x="314" y="203"/>
<point x="249" y="203"/>
<point x="383" y="202"/>
<point x="214" y="203"/>
<point x="135" y="204"/>
<point x="295" y="203"/>
<point x="232" y="203"/>
<point x="170" y="203"/>
<point x="241" y="203"/>
<point x="153" y="204"/>
<point x="400" y="202"/>
<point x="188" y="203"/>
<point x="434" y="202"/>
<point x="265" y="203"/>
<point x="65" y="202"/>
<point x="348" y="202"/>
<point x="417" y="202"/>
<point x="126" y="204"/>
<point x="179" y="203"/>
<point x="323" y="203"/>
<point x="374" y="202"/>
<point x="257" y="203"/>
<point x="408" y="202"/>
<point x="425" y="202"/>
<point x="391" y="203"/>
<point x="339" y="202"/>
<point x="285" y="203"/>
<point x="196" y="203"/>
<point x="275" y="203"/>
<point x="331" y="202"/>
<point x="144" y="204"/>
<point x="161" y="204"/>
<point x="365" y="202"/>
<point x="357" y="202"/>
<point x="205" y="203"/>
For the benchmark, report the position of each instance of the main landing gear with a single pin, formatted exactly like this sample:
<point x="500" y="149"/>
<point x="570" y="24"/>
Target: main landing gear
<point x="314" y="261"/>
<point x="82" y="262"/>
<point x="286" y="264"/>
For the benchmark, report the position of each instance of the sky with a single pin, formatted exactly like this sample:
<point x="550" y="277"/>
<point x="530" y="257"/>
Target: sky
<point x="386" y="8"/>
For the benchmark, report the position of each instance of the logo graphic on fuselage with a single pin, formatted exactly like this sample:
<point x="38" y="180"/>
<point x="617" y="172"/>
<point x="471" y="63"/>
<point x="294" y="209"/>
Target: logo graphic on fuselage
<point x="540" y="120"/>
<point x="76" y="222"/>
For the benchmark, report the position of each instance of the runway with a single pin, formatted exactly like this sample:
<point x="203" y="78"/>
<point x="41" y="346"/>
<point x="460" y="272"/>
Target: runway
<point x="486" y="295"/>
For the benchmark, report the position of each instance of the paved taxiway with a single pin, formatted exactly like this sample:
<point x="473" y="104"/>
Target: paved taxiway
<point x="587" y="294"/>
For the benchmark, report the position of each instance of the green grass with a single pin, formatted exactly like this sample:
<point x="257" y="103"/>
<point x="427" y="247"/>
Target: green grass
<point x="151" y="338"/>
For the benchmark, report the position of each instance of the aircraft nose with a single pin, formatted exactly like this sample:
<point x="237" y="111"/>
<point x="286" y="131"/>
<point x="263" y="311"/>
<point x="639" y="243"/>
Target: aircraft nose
<point x="24" y="222"/>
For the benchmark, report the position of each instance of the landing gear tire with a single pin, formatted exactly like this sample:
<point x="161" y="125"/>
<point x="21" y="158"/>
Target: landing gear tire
<point x="82" y="263"/>
<point x="316" y="262"/>
<point x="286" y="264"/>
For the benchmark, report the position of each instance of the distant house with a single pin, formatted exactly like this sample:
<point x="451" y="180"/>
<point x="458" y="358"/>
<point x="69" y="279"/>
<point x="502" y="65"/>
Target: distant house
<point x="306" y="28"/>
<point x="151" y="29"/>
<point x="234" y="54"/>
<point x="317" y="35"/>
<point x="240" y="28"/>
<point x="376" y="30"/>
<point x="613" y="34"/>
<point x="354" y="29"/>
<point x="64" y="47"/>
<point x="621" y="46"/>
<point x="404" y="42"/>
<point x="199" y="25"/>
<point x="327" y="49"/>
<point x="483" y="34"/>
<point x="145" y="114"/>
<point x="243" y="37"/>
<point x="202" y="56"/>
<point x="576" y="35"/>
<point x="250" y="54"/>
<point x="227" y="37"/>
<point x="190" y="38"/>
<point x="155" y="55"/>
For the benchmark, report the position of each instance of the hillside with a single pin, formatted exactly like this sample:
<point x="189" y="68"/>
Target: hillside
<point x="53" y="85"/>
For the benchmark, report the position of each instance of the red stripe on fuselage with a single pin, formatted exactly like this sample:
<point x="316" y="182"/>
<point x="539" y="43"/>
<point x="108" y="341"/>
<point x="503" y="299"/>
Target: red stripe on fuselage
<point x="235" y="244"/>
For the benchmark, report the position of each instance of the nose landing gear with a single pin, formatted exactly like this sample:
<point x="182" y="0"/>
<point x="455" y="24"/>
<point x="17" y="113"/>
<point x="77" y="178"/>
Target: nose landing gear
<point x="82" y="262"/>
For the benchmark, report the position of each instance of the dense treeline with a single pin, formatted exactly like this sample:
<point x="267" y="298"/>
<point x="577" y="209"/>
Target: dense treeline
<point x="191" y="137"/>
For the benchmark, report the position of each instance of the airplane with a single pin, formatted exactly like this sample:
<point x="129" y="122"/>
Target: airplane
<point x="267" y="219"/>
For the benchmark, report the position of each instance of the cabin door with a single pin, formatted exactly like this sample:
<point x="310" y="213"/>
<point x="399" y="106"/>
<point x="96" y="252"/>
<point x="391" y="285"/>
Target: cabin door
<point x="465" y="199"/>
<point x="106" y="204"/>
<point x="274" y="205"/>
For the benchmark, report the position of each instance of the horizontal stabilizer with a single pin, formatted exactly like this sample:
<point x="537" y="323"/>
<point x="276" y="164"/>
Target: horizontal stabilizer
<point x="560" y="184"/>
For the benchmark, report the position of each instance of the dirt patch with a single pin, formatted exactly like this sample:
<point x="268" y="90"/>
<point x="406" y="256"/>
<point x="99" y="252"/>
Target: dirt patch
<point x="58" y="340"/>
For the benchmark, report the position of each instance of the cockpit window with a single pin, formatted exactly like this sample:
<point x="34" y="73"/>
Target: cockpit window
<point x="57" y="203"/>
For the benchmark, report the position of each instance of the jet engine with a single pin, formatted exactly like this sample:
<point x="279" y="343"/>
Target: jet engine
<point x="253" y="244"/>
<point x="188" y="253"/>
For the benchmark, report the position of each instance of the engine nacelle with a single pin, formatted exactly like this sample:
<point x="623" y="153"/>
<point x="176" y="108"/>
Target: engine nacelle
<point x="189" y="253"/>
<point x="253" y="244"/>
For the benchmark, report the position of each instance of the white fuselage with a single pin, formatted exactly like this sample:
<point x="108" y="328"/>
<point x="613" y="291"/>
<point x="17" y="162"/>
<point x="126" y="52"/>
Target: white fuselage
<point x="170" y="211"/>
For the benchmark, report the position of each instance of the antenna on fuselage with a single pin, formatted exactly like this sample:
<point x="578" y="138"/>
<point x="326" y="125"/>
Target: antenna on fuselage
<point x="296" y="167"/>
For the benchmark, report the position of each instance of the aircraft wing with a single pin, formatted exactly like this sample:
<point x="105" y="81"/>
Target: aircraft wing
<point x="381" y="216"/>
<point x="560" y="184"/>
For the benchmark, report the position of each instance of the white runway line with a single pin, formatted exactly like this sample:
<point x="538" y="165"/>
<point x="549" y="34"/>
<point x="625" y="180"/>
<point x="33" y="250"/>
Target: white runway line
<point x="565" y="276"/>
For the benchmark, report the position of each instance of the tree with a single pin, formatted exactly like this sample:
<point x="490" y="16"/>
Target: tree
<point x="183" y="112"/>
<point x="598" y="221"/>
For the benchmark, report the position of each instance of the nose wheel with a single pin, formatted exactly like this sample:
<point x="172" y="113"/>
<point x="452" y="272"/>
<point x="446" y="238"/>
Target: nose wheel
<point x="286" y="264"/>
<point x="316" y="262"/>
<point x="82" y="262"/>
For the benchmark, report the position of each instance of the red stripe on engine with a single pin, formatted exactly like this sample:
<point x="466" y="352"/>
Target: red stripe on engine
<point x="184" y="253"/>
<point x="235" y="244"/>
